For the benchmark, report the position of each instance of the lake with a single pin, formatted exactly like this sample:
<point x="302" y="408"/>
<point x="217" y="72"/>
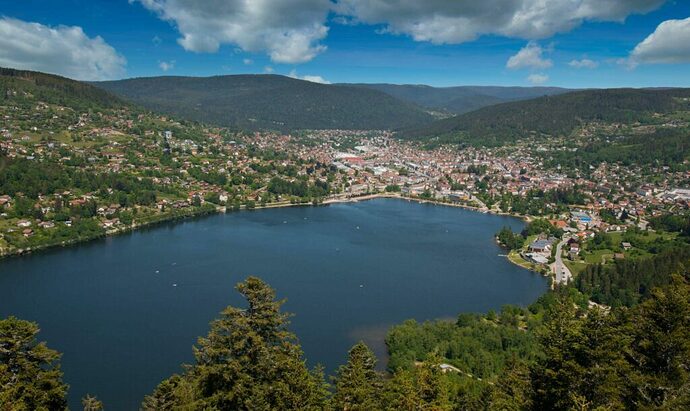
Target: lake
<point x="125" y="311"/>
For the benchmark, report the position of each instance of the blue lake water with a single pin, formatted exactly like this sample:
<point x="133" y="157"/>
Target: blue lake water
<point x="125" y="311"/>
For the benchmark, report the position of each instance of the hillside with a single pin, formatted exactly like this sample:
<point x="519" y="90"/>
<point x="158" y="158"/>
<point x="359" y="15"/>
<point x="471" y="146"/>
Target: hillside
<point x="48" y="88"/>
<point x="269" y="102"/>
<point x="552" y="115"/>
<point x="462" y="99"/>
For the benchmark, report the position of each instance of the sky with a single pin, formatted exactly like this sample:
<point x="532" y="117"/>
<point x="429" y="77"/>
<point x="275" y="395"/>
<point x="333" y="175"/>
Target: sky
<point x="566" y="43"/>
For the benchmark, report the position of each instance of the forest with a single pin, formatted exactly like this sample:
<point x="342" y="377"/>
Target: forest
<point x="552" y="116"/>
<point x="253" y="102"/>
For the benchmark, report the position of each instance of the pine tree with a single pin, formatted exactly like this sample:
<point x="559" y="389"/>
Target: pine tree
<point x="432" y="386"/>
<point x="513" y="390"/>
<point x="91" y="403"/>
<point x="401" y="392"/>
<point x="554" y="377"/>
<point x="30" y="375"/>
<point x="660" y="350"/>
<point x="358" y="386"/>
<point x="248" y="361"/>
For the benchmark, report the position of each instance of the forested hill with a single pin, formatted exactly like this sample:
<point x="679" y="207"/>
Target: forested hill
<point x="53" y="89"/>
<point x="461" y="99"/>
<point x="269" y="102"/>
<point x="553" y="115"/>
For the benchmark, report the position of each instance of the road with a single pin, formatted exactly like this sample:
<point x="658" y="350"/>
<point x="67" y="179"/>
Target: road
<point x="562" y="272"/>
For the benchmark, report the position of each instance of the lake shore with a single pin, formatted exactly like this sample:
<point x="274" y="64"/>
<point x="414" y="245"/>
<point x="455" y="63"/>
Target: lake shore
<point x="223" y="209"/>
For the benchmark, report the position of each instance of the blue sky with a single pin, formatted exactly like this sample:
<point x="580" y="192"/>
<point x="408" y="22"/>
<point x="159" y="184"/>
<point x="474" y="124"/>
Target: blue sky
<point x="635" y="43"/>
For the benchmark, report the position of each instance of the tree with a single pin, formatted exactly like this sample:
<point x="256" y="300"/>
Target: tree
<point x="660" y="349"/>
<point x="432" y="386"/>
<point x="513" y="390"/>
<point x="401" y="392"/>
<point x="30" y="375"/>
<point x="248" y="361"/>
<point x="91" y="403"/>
<point x="554" y="377"/>
<point x="358" y="386"/>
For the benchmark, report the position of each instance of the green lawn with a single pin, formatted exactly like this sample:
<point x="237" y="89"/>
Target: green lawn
<point x="598" y="256"/>
<point x="575" y="267"/>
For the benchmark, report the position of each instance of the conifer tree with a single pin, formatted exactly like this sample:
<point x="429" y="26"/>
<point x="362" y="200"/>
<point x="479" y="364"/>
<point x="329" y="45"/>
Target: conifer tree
<point x="358" y="386"/>
<point x="30" y="375"/>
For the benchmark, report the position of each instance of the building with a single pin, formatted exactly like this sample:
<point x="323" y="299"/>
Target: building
<point x="540" y="246"/>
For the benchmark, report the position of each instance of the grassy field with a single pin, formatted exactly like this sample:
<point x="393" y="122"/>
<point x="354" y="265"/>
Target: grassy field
<point x="575" y="267"/>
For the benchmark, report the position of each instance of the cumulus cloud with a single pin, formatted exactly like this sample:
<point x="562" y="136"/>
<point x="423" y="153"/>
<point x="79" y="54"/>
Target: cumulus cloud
<point x="442" y="21"/>
<point x="62" y="50"/>
<point x="313" y="79"/>
<point x="288" y="30"/>
<point x="248" y="62"/>
<point x="670" y="43"/>
<point x="165" y="65"/>
<point x="268" y="70"/>
<point x="529" y="56"/>
<point x="584" y="63"/>
<point x="538" y="78"/>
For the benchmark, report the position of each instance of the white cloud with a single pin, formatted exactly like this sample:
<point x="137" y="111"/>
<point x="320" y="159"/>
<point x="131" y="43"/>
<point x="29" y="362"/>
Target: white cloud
<point x="458" y="21"/>
<point x="165" y="65"/>
<point x="248" y="62"/>
<point x="313" y="79"/>
<point x="584" y="63"/>
<point x="670" y="43"/>
<point x="268" y="70"/>
<point x="62" y="50"/>
<point x="289" y="31"/>
<point x="538" y="78"/>
<point x="529" y="56"/>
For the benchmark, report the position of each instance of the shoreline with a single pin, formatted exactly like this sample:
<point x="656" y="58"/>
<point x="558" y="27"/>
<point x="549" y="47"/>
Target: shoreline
<point x="224" y="210"/>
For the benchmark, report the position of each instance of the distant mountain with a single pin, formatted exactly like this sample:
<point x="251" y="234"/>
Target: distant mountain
<point x="269" y="102"/>
<point x="551" y="115"/>
<point x="54" y="89"/>
<point x="461" y="99"/>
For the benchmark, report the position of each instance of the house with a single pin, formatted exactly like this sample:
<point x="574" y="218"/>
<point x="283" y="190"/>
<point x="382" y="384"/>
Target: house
<point x="23" y="223"/>
<point x="28" y="232"/>
<point x="46" y="224"/>
<point x="536" y="258"/>
<point x="110" y="223"/>
<point x="559" y="224"/>
<point x="5" y="201"/>
<point x="626" y="246"/>
<point x="540" y="246"/>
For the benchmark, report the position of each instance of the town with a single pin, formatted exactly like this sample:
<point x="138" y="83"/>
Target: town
<point x="110" y="171"/>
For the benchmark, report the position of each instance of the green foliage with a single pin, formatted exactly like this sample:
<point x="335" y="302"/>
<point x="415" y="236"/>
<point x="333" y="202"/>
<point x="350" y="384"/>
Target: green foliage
<point x="474" y="344"/>
<point x="91" y="403"/>
<point x="248" y="361"/>
<point x="541" y="226"/>
<point x="550" y="115"/>
<point x="509" y="239"/>
<point x="675" y="223"/>
<point x="30" y="375"/>
<point x="460" y="99"/>
<point x="16" y="85"/>
<point x="358" y="386"/>
<point x="626" y="282"/>
<point x="663" y="147"/>
<point x="269" y="102"/>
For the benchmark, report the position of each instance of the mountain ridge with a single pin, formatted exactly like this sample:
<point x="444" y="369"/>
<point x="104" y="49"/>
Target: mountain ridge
<point x="551" y="115"/>
<point x="267" y="101"/>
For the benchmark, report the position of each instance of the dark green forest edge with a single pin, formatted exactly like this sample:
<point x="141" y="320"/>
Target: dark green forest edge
<point x="558" y="354"/>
